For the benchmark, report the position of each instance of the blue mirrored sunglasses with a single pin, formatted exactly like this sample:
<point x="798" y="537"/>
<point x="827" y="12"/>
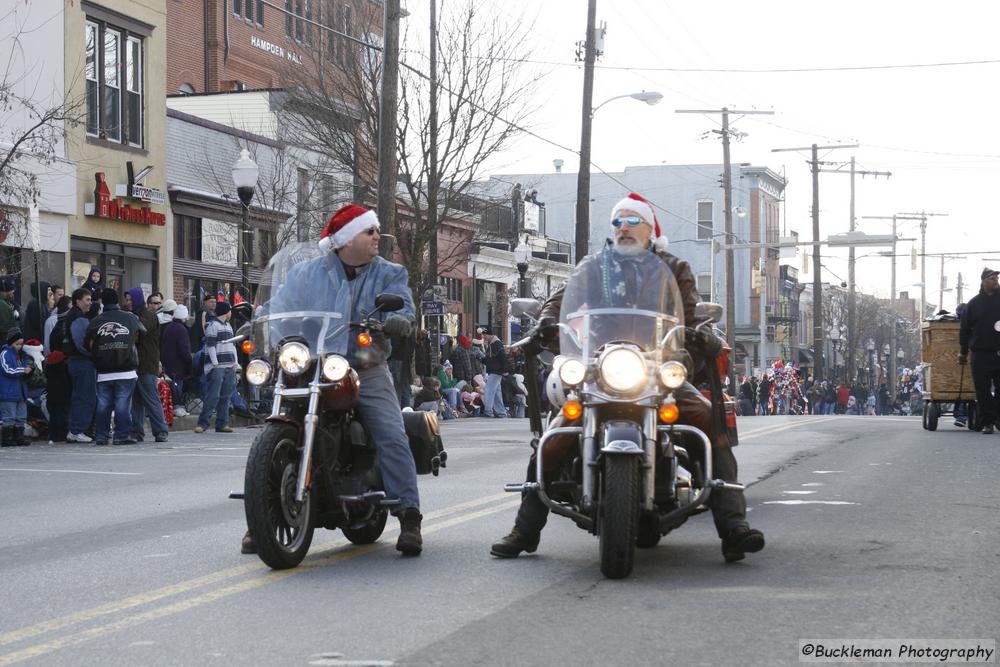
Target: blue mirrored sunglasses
<point x="632" y="220"/>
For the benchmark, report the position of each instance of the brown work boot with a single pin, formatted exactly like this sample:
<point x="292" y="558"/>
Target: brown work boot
<point x="410" y="542"/>
<point x="248" y="546"/>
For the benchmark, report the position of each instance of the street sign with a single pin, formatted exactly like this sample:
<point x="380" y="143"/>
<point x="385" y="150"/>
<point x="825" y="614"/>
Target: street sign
<point x="432" y="308"/>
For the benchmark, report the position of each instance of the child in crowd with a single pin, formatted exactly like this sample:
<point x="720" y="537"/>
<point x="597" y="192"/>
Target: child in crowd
<point x="14" y="369"/>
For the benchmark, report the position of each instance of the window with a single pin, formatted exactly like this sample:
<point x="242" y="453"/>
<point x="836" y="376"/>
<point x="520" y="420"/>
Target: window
<point x="345" y="51"/>
<point x="705" y="223"/>
<point x="289" y="28"/>
<point x="265" y="245"/>
<point x="260" y="13"/>
<point x="238" y="7"/>
<point x="453" y="288"/>
<point x="187" y="237"/>
<point x="704" y="286"/>
<point x="308" y="22"/>
<point x="299" y="24"/>
<point x="114" y="83"/>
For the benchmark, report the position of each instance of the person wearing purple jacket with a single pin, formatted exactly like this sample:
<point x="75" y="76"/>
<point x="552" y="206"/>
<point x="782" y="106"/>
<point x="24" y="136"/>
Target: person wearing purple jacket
<point x="175" y="354"/>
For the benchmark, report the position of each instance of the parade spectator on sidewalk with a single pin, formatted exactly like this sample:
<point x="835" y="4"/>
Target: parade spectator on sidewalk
<point x="95" y="286"/>
<point x="81" y="367"/>
<point x="9" y="314"/>
<point x="496" y="366"/>
<point x="450" y="387"/>
<point x="461" y="360"/>
<point x="111" y="338"/>
<point x="50" y="323"/>
<point x="37" y="311"/>
<point x="175" y="356"/>
<point x="14" y="371"/>
<point x="401" y="367"/>
<point x="146" y="398"/>
<point x="980" y="334"/>
<point x="219" y="370"/>
<point x="58" y="382"/>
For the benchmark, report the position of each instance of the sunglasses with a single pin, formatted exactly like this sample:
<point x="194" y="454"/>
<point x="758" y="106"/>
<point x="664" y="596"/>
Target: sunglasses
<point x="632" y="220"/>
<point x="371" y="231"/>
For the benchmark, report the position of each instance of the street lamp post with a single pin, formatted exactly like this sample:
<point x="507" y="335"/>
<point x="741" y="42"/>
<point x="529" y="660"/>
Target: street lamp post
<point x="522" y="253"/>
<point x="871" y="365"/>
<point x="583" y="174"/>
<point x="245" y="173"/>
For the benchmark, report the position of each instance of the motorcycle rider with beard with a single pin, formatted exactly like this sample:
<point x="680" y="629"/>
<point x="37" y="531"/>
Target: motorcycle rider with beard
<point x="619" y="267"/>
<point x="350" y="245"/>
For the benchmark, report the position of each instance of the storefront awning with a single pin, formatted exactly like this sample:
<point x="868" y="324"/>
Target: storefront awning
<point x="805" y="357"/>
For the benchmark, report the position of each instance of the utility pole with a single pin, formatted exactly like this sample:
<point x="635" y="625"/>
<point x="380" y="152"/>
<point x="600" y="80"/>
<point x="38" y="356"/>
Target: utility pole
<point x="958" y="287"/>
<point x="852" y="293"/>
<point x="583" y="173"/>
<point x="727" y="198"/>
<point x="922" y="216"/>
<point x="387" y="125"/>
<point x="433" y="185"/>
<point x="818" y="334"/>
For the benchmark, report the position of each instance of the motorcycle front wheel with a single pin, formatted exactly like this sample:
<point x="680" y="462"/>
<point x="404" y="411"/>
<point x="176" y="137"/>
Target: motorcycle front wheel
<point x="619" y="515"/>
<point x="281" y="527"/>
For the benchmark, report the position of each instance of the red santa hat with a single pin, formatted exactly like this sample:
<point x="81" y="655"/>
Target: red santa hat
<point x="638" y="203"/>
<point x="345" y="224"/>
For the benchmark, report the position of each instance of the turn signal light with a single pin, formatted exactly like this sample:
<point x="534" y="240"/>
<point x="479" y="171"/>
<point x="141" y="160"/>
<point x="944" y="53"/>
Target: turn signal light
<point x="247" y="347"/>
<point x="669" y="413"/>
<point x="572" y="410"/>
<point x="364" y="339"/>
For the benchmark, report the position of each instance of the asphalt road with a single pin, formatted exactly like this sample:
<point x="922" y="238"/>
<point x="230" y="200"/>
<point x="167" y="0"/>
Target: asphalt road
<point x="123" y="556"/>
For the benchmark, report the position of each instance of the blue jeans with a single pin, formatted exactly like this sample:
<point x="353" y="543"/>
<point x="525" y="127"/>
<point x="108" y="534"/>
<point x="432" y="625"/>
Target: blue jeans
<point x="378" y="408"/>
<point x="219" y="386"/>
<point x="14" y="413"/>
<point x="493" y="401"/>
<point x="117" y="395"/>
<point x="147" y="399"/>
<point x="403" y="392"/>
<point x="451" y="396"/>
<point x="81" y="411"/>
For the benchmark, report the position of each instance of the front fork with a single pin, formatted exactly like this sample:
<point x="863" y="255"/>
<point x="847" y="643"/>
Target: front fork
<point x="308" y="437"/>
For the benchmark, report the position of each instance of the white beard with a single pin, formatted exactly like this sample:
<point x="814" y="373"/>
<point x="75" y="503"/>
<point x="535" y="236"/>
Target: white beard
<point x="628" y="249"/>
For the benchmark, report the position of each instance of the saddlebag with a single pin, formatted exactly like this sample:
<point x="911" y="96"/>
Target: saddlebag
<point x="425" y="441"/>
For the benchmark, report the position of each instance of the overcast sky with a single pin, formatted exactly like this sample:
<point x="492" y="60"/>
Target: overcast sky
<point x="930" y="126"/>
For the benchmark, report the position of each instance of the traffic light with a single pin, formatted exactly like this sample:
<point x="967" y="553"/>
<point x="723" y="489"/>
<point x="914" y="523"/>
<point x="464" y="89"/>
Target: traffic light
<point x="780" y="333"/>
<point x="758" y="281"/>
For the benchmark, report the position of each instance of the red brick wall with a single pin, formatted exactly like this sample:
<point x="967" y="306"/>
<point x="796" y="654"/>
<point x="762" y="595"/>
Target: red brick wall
<point x="185" y="45"/>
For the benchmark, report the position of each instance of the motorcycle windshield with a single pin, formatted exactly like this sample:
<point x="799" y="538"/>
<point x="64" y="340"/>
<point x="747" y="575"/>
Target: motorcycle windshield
<point x="297" y="301"/>
<point x="616" y="298"/>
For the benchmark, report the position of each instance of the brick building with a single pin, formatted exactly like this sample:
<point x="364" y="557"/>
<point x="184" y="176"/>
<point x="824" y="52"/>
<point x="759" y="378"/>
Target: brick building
<point x="230" y="45"/>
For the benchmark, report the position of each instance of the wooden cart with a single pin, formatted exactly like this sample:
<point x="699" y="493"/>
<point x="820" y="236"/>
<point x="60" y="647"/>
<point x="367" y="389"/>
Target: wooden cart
<point x="946" y="382"/>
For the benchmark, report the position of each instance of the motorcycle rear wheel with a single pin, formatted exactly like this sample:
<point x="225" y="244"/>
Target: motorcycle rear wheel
<point x="281" y="527"/>
<point x="619" y="515"/>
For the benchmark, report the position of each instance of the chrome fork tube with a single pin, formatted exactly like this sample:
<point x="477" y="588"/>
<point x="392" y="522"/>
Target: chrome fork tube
<point x="310" y="421"/>
<point x="649" y="439"/>
<point x="589" y="457"/>
<point x="279" y="386"/>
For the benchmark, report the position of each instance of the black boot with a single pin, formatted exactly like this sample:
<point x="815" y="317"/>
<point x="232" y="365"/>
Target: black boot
<point x="248" y="546"/>
<point x="741" y="541"/>
<point x="511" y="545"/>
<point x="21" y="440"/>
<point x="6" y="438"/>
<point x="410" y="542"/>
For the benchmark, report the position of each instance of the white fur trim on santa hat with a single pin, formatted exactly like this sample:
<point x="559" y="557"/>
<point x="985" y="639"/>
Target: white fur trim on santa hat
<point x="644" y="210"/>
<point x="343" y="236"/>
<point x="660" y="244"/>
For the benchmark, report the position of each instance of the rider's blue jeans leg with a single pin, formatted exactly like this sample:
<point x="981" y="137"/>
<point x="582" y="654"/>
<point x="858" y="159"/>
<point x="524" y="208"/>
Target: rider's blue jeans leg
<point x="378" y="408"/>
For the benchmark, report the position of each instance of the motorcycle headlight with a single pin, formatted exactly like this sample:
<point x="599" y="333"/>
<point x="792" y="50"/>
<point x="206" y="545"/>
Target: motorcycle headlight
<point x="571" y="372"/>
<point x="623" y="369"/>
<point x="335" y="367"/>
<point x="673" y="374"/>
<point x="258" y="371"/>
<point x="293" y="358"/>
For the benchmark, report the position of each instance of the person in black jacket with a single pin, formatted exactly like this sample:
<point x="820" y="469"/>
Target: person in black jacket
<point x="59" y="384"/>
<point x="111" y="339"/>
<point x="980" y="332"/>
<point x="37" y="311"/>
<point x="496" y="368"/>
<point x="146" y="398"/>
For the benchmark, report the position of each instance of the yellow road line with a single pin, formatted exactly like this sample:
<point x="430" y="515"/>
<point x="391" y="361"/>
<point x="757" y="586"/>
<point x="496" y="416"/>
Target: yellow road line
<point x="783" y="427"/>
<point x="198" y="582"/>
<point x="243" y="586"/>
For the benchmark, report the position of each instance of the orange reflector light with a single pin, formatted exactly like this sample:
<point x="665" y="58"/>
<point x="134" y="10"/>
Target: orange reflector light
<point x="247" y="347"/>
<point x="572" y="410"/>
<point x="364" y="339"/>
<point x="669" y="413"/>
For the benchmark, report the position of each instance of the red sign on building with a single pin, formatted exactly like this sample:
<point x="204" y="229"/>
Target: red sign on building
<point x="116" y="209"/>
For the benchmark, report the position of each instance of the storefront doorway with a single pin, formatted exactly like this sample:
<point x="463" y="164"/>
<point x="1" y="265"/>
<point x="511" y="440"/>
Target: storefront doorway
<point x="122" y="266"/>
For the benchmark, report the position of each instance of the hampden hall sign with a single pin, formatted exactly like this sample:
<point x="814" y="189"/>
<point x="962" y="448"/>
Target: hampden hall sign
<point x="116" y="209"/>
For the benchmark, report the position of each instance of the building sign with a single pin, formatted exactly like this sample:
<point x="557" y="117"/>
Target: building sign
<point x="117" y="209"/>
<point x="134" y="189"/>
<point x="531" y="215"/>
<point x="218" y="242"/>
<point x="274" y="49"/>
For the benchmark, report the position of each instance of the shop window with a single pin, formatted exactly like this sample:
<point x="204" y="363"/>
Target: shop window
<point x="114" y="72"/>
<point x="453" y="287"/>
<point x="265" y="245"/>
<point x="122" y="266"/>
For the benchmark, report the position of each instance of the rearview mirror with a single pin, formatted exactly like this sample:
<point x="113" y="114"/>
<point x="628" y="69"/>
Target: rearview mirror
<point x="388" y="303"/>
<point x="525" y="307"/>
<point x="706" y="310"/>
